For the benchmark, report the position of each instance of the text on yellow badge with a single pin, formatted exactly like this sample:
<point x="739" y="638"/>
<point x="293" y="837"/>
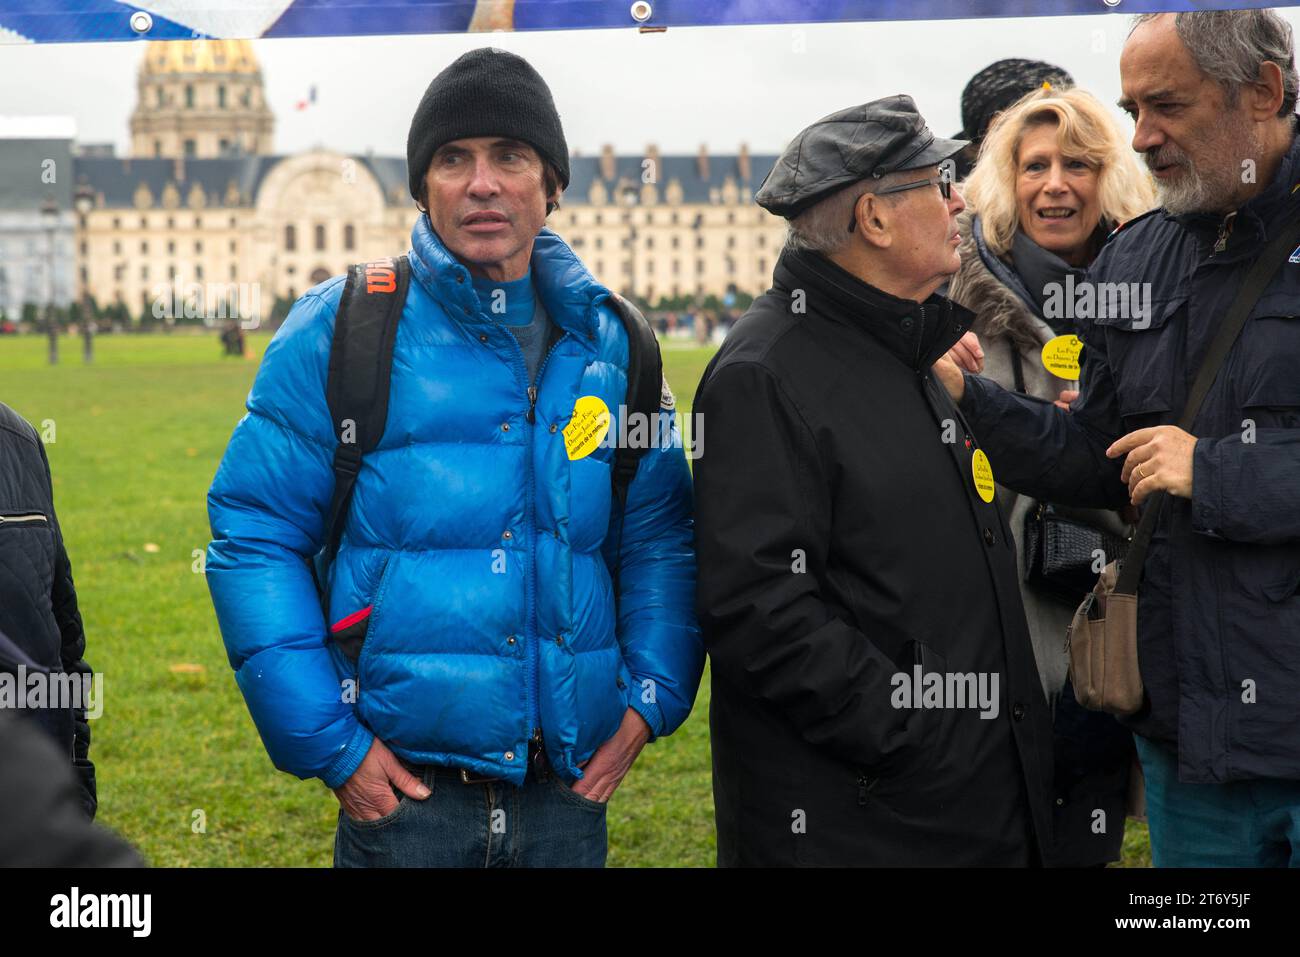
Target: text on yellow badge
<point x="587" y="428"/>
<point x="982" y="472"/>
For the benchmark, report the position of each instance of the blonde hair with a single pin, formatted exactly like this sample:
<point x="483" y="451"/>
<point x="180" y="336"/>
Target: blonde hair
<point x="1085" y="130"/>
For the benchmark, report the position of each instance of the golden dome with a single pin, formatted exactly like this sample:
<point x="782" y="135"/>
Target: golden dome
<point x="199" y="56"/>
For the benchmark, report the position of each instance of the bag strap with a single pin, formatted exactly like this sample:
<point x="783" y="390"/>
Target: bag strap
<point x="645" y="379"/>
<point x="361" y="365"/>
<point x="1252" y="287"/>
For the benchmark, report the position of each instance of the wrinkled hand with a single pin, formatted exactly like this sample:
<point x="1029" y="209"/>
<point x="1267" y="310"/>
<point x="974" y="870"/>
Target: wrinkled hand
<point x="368" y="794"/>
<point x="613" y="759"/>
<point x="1067" y="396"/>
<point x="950" y="376"/>
<point x="968" y="354"/>
<point x="1157" y="458"/>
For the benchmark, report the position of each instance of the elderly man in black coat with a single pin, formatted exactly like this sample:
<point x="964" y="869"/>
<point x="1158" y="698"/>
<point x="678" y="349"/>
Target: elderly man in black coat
<point x="875" y="699"/>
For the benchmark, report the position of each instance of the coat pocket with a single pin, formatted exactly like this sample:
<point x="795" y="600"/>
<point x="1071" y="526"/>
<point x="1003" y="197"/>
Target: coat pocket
<point x="350" y="631"/>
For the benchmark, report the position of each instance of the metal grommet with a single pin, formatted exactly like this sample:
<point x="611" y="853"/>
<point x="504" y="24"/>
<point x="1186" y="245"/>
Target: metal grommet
<point x="510" y="755"/>
<point x="507" y="534"/>
<point x="552" y="428"/>
<point x="641" y="11"/>
<point x="510" y="639"/>
<point x="559" y="639"/>
<point x="482" y="337"/>
<point x="141" y="22"/>
<point x="505" y="426"/>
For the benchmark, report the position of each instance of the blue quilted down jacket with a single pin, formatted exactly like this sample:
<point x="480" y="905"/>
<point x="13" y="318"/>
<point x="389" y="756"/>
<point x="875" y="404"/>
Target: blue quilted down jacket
<point x="476" y="555"/>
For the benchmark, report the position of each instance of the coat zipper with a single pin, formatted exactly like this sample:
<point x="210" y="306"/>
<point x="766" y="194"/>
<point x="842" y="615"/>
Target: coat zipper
<point x="1225" y="230"/>
<point x="533" y="692"/>
<point x="34" y="518"/>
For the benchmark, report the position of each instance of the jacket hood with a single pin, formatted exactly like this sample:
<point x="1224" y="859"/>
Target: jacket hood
<point x="569" y="293"/>
<point x="843" y="297"/>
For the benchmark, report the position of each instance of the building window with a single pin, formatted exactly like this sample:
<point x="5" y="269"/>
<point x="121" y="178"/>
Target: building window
<point x="320" y="236"/>
<point x="119" y="272"/>
<point x="699" y="242"/>
<point x="349" y="236"/>
<point x="144" y="245"/>
<point x="171" y="248"/>
<point x="650" y="267"/>
<point x="677" y="268"/>
<point x="117" y="223"/>
<point x="762" y="240"/>
<point x="198" y="270"/>
<point x="190" y="148"/>
<point x="677" y="241"/>
<point x="157" y="147"/>
<point x="600" y="242"/>
<point x="221" y="96"/>
<point x="189" y="96"/>
<point x="198" y="222"/>
<point x="290" y="238"/>
<point x="731" y="218"/>
<point x="600" y="265"/>
<point x="762" y="266"/>
<point x="699" y="265"/>
<point x="232" y="246"/>
<point x="144" y="271"/>
<point x="731" y="242"/>
<point x="159" y="91"/>
<point x="232" y="270"/>
<point x="198" y="246"/>
<point x="171" y="222"/>
<point x="233" y="221"/>
<point x="674" y="223"/>
<point x="649" y="242"/>
<point x="598" y="219"/>
<point x="144" y="223"/>
<point x="117" y="247"/>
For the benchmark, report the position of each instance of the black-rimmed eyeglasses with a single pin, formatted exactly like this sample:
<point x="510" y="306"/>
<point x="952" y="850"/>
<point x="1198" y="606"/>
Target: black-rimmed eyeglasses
<point x="943" y="180"/>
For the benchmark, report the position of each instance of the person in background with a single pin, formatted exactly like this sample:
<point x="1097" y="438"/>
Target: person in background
<point x="992" y="90"/>
<point x="1053" y="178"/>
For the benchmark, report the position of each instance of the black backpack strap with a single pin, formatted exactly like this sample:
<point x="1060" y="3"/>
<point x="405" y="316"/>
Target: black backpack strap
<point x="361" y="364"/>
<point x="645" y="375"/>
<point x="645" y="387"/>
<point x="1252" y="287"/>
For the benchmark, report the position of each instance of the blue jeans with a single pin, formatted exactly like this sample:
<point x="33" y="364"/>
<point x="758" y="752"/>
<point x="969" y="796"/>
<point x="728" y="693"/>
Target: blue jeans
<point x="1238" y="824"/>
<point x="542" y="824"/>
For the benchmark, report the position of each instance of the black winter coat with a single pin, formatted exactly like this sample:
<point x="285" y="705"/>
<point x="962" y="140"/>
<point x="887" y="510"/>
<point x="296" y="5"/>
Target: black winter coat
<point x="841" y="541"/>
<point x="1219" y="603"/>
<point x="38" y="601"/>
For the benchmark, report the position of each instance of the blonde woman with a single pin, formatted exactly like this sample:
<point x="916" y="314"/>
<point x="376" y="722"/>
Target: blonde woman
<point x="1053" y="178"/>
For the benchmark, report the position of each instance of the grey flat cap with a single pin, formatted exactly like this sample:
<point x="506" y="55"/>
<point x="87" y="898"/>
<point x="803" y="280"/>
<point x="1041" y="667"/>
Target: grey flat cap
<point x="883" y="136"/>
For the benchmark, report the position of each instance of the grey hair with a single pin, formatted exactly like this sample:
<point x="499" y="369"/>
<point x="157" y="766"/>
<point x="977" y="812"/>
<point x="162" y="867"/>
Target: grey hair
<point x="1230" y="46"/>
<point x="824" y="227"/>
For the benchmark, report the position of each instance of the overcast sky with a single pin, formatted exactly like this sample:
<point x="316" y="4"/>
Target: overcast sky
<point x="714" y="85"/>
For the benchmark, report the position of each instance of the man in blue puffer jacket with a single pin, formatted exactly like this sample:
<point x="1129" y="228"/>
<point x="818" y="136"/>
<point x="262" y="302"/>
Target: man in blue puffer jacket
<point x="495" y="703"/>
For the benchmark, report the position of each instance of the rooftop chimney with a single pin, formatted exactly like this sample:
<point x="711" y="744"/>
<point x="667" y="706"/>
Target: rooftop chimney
<point x="607" y="162"/>
<point x="702" y="162"/>
<point x="743" y="162"/>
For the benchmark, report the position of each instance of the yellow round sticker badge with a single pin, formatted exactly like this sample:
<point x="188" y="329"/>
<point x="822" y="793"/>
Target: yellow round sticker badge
<point x="982" y="472"/>
<point x="590" y="422"/>
<point x="1061" y="356"/>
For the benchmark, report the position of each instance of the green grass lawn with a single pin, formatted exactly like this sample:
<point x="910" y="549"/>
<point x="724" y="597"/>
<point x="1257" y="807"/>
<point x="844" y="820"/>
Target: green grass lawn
<point x="137" y="438"/>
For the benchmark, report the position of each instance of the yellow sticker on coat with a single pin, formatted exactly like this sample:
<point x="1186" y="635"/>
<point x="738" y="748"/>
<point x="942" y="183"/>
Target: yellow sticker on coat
<point x="587" y="428"/>
<point x="982" y="472"/>
<point x="1061" y="356"/>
